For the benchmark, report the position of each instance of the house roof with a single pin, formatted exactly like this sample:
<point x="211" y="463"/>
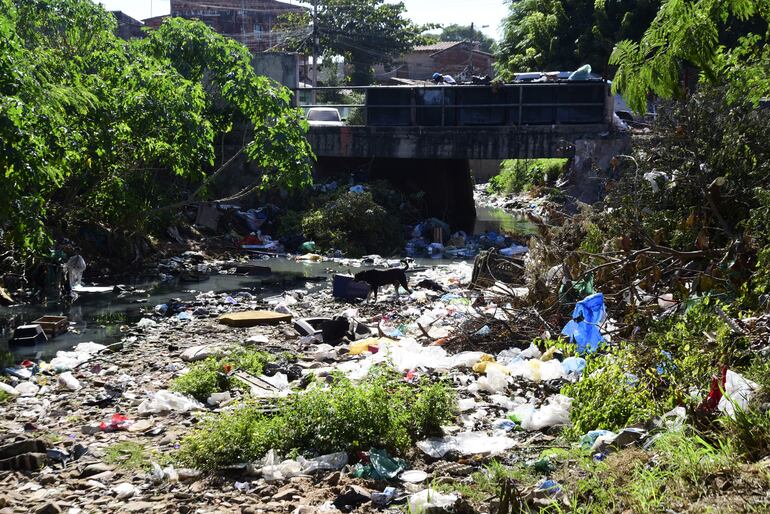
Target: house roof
<point x="124" y="18"/>
<point x="443" y="46"/>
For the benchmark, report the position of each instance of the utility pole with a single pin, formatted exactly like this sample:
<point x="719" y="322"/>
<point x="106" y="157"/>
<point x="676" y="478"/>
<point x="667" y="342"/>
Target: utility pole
<point x="470" y="52"/>
<point x="315" y="49"/>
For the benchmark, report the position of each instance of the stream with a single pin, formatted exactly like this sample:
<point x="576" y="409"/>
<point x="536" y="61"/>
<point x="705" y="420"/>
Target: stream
<point x="99" y="317"/>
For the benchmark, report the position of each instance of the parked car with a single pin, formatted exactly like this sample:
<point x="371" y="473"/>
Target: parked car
<point x="324" y="116"/>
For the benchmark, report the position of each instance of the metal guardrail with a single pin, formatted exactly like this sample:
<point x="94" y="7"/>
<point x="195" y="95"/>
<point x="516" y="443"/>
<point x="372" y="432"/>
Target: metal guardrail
<point x="557" y="103"/>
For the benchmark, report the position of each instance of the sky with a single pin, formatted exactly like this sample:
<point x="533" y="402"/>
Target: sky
<point x="462" y="12"/>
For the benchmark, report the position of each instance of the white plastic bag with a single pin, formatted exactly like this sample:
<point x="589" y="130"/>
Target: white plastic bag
<point x="430" y="499"/>
<point x="67" y="381"/>
<point x="165" y="401"/>
<point x="466" y="443"/>
<point x="495" y="381"/>
<point x="555" y="412"/>
<point x="738" y="391"/>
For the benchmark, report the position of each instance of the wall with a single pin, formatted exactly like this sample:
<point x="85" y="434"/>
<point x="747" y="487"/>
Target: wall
<point x="283" y="67"/>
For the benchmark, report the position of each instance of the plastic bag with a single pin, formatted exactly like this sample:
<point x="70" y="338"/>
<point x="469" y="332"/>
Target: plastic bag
<point x="737" y="392"/>
<point x="165" y="401"/>
<point x="495" y="380"/>
<point x="74" y="269"/>
<point x="537" y="370"/>
<point x="67" y="381"/>
<point x="582" y="73"/>
<point x="429" y="499"/>
<point x="465" y="443"/>
<point x="381" y="466"/>
<point x="555" y="412"/>
<point x="583" y="328"/>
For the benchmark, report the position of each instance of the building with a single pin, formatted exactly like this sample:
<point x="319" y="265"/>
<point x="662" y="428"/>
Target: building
<point x="128" y="27"/>
<point x="250" y="22"/>
<point x="461" y="59"/>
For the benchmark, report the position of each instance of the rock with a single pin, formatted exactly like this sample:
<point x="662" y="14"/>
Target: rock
<point x="285" y="493"/>
<point x="139" y="506"/>
<point x="49" y="508"/>
<point x="352" y="498"/>
<point x="253" y="318"/>
<point x="124" y="490"/>
<point x="188" y="474"/>
<point x="333" y="479"/>
<point x="204" y="351"/>
<point x="3" y="501"/>
<point x="95" y="469"/>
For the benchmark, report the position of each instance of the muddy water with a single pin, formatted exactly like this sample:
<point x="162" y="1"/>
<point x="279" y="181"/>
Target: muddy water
<point x="98" y="317"/>
<point x="494" y="219"/>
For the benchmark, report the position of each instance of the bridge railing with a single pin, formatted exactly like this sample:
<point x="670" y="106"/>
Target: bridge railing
<point x="548" y="103"/>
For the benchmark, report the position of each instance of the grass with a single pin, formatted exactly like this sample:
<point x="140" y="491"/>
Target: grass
<point x="4" y="397"/>
<point x="128" y="455"/>
<point x="678" y="470"/>
<point x="210" y="375"/>
<point x="383" y="412"/>
<point x="518" y="175"/>
<point x="484" y="484"/>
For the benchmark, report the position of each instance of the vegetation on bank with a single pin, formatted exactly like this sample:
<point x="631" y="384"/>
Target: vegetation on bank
<point x="517" y="175"/>
<point x="212" y="375"/>
<point x="97" y="130"/>
<point x="382" y="412"/>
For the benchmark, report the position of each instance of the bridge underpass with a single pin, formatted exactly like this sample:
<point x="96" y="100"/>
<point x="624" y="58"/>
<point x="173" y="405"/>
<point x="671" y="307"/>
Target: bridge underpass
<point x="422" y="138"/>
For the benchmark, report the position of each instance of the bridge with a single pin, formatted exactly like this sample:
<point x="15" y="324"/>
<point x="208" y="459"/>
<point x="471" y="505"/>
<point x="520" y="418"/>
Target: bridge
<point x="527" y="120"/>
<point x="423" y="138"/>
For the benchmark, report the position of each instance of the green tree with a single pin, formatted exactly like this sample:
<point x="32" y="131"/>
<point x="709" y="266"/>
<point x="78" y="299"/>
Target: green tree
<point x="540" y="35"/>
<point x="94" y="129"/>
<point x="726" y="40"/>
<point x="365" y="32"/>
<point x="456" y="32"/>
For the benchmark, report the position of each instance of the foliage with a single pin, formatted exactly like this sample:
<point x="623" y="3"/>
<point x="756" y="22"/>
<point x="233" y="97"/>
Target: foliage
<point x="382" y="412"/>
<point x="676" y="471"/>
<point x="365" y="32"/>
<point x="4" y="397"/>
<point x="608" y="397"/>
<point x="455" y="32"/>
<point x="355" y="224"/>
<point x="94" y="129"/>
<point x="710" y="166"/>
<point x="749" y="430"/>
<point x="544" y="35"/>
<point x="128" y="455"/>
<point x="726" y="40"/>
<point x="518" y="175"/>
<point x="210" y="375"/>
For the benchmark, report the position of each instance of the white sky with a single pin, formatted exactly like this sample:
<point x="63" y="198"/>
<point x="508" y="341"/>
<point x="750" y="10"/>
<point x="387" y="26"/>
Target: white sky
<point x="463" y="12"/>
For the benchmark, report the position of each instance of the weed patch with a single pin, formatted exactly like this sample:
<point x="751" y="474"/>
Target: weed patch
<point x="128" y="455"/>
<point x="382" y="412"/>
<point x="210" y="376"/>
<point x="518" y="175"/>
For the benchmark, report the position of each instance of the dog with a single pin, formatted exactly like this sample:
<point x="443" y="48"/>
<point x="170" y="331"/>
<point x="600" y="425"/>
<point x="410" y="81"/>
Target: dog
<point x="377" y="278"/>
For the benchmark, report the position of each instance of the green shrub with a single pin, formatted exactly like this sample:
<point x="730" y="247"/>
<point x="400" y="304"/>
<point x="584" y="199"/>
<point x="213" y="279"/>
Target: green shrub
<point x="210" y="376"/>
<point x="355" y="224"/>
<point x="608" y="396"/>
<point x="518" y="175"/>
<point x="382" y="412"/>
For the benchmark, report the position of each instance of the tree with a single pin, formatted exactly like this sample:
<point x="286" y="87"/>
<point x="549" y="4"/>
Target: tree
<point x="541" y="35"/>
<point x="94" y="129"/>
<point x="456" y="32"/>
<point x="365" y="32"/>
<point x="726" y="40"/>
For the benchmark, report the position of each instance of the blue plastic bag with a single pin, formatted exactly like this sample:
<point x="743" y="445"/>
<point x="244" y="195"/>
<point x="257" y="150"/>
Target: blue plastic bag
<point x="583" y="329"/>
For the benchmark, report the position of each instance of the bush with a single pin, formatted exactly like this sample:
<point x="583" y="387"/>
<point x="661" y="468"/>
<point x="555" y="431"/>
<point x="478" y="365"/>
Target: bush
<point x="608" y="397"/>
<point x="210" y="376"/>
<point x="383" y="412"/>
<point x="518" y="175"/>
<point x="355" y="224"/>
